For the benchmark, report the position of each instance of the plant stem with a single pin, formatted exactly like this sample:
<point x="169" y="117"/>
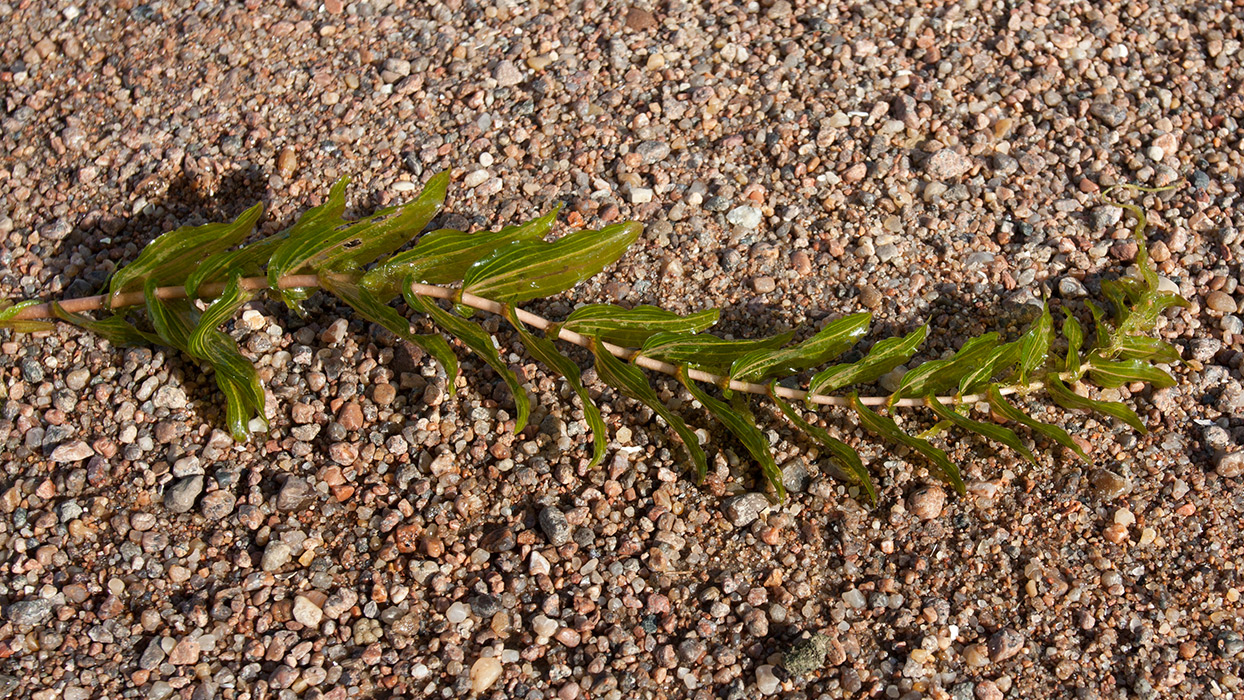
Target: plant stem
<point x="207" y="291"/>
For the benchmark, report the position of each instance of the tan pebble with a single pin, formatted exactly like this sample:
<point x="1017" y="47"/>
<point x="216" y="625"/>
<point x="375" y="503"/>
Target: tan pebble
<point x="1116" y="533"/>
<point x="927" y="503"/>
<point x="801" y="262"/>
<point x="286" y="162"/>
<point x="1221" y="302"/>
<point x="764" y="285"/>
<point x="869" y="296"/>
<point x="484" y="673"/>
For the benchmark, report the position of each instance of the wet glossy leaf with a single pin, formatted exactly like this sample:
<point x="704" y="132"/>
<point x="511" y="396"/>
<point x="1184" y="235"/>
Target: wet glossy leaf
<point x="1075" y="341"/>
<point x="235" y="375"/>
<point x="888" y="429"/>
<point x="1000" y="406"/>
<point x="1065" y="397"/>
<point x="707" y="352"/>
<point x="1112" y="374"/>
<point x="1101" y="329"/>
<point x="989" y="431"/>
<point x="480" y="343"/>
<point x="248" y="260"/>
<point x="630" y="328"/>
<point x="169" y="259"/>
<point x="536" y="269"/>
<point x="8" y="318"/>
<point x="173" y="319"/>
<point x="938" y="376"/>
<point x="631" y="381"/>
<point x="1139" y="347"/>
<point x="443" y="256"/>
<point x="1034" y="345"/>
<point x="998" y="361"/>
<point x="830" y="342"/>
<point x="880" y="360"/>
<point x="323" y="241"/>
<point x="346" y="288"/>
<point x="545" y="352"/>
<point x="114" y="329"/>
<point x="846" y="456"/>
<point x="743" y="427"/>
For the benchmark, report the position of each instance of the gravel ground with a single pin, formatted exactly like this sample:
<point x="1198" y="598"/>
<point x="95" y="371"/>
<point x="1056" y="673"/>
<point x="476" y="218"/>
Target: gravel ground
<point x="791" y="160"/>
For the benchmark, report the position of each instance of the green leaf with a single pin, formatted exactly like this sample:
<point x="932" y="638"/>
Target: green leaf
<point x="246" y="261"/>
<point x="545" y="352"/>
<point x="844" y="454"/>
<point x="989" y="431"/>
<point x="1101" y="329"/>
<point x="707" y="352"/>
<point x="322" y="241"/>
<point x="1000" y="406"/>
<point x="1140" y="347"/>
<point x="1065" y="397"/>
<point x="631" y="328"/>
<point x="830" y="342"/>
<point x="238" y="381"/>
<point x="346" y="288"/>
<point x="1112" y="374"/>
<point x="173" y="319"/>
<point x="536" y="269"/>
<point x="996" y="362"/>
<point x="1034" y="345"/>
<point x="937" y="376"/>
<point x="8" y="318"/>
<point x="480" y="343"/>
<point x="630" y="380"/>
<point x="743" y="428"/>
<point x="888" y="429"/>
<point x="114" y="329"/>
<point x="312" y="224"/>
<point x="235" y="375"/>
<point x="880" y="360"/>
<point x="1075" y="340"/>
<point x="169" y="259"/>
<point x="443" y="256"/>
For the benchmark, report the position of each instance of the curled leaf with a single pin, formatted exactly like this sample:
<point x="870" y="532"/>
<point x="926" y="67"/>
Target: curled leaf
<point x="248" y="260"/>
<point x="1115" y="373"/>
<point x="8" y="318"/>
<point x="1034" y="346"/>
<point x="235" y="375"/>
<point x="323" y="241"/>
<point x="1075" y="340"/>
<point x="938" y="376"/>
<point x="998" y="361"/>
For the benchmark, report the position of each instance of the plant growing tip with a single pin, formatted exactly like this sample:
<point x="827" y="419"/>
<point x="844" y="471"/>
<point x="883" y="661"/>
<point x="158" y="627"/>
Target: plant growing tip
<point x="358" y="262"/>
